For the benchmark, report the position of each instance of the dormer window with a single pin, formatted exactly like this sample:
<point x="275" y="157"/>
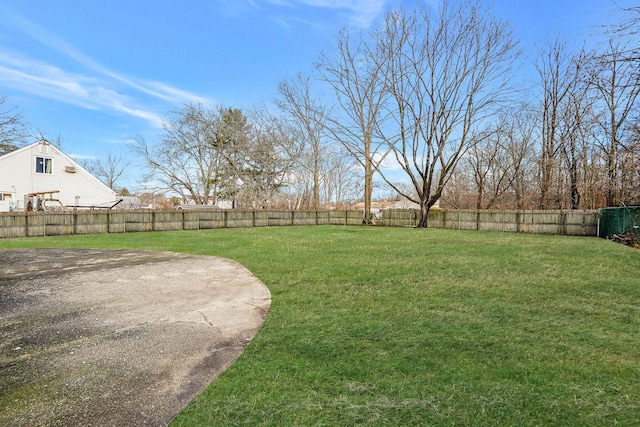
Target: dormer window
<point x="44" y="165"/>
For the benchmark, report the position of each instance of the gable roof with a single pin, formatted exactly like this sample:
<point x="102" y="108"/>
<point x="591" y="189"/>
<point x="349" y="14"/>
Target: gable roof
<point x="59" y="153"/>
<point x="16" y="171"/>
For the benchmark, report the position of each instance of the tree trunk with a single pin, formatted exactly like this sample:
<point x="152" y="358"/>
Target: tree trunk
<point x="316" y="184"/>
<point x="368" y="191"/>
<point x="611" y="173"/>
<point x="423" y="222"/>
<point x="575" y="197"/>
<point x="545" y="183"/>
<point x="368" y="179"/>
<point x="575" y="192"/>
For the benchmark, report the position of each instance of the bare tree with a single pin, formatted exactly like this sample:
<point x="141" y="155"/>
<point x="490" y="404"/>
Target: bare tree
<point x="263" y="161"/>
<point x="628" y="27"/>
<point x="187" y="160"/>
<point x="447" y="72"/>
<point x="109" y="171"/>
<point x="616" y="82"/>
<point x="576" y="128"/>
<point x="310" y="117"/>
<point x="354" y="74"/>
<point x="519" y="128"/>
<point x="557" y="83"/>
<point x="340" y="183"/>
<point x="500" y="166"/>
<point x="630" y="167"/>
<point x="12" y="128"/>
<point x="491" y="172"/>
<point x="459" y="194"/>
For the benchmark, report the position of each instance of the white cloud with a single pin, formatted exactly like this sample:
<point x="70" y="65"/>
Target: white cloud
<point x="153" y="118"/>
<point x="82" y="157"/>
<point x="41" y="79"/>
<point x="97" y="87"/>
<point x="361" y="12"/>
<point x="388" y="163"/>
<point x="170" y="93"/>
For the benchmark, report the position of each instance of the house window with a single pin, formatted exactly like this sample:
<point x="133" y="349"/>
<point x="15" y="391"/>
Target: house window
<point x="44" y="165"/>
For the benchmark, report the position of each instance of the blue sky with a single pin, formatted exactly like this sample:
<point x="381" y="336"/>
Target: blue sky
<point x="98" y="73"/>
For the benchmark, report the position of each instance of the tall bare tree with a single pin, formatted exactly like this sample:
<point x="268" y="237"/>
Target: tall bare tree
<point x="519" y="127"/>
<point x="630" y="163"/>
<point x="577" y="128"/>
<point x="447" y="72"/>
<point x="616" y="81"/>
<point x="310" y="116"/>
<point x="355" y="75"/>
<point x="557" y="82"/>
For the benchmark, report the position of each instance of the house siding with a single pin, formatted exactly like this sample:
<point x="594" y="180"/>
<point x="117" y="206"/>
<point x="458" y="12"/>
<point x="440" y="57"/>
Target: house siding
<point x="18" y="173"/>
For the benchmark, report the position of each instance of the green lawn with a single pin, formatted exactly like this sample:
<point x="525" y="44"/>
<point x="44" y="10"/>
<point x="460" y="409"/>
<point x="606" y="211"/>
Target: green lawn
<point x="397" y="326"/>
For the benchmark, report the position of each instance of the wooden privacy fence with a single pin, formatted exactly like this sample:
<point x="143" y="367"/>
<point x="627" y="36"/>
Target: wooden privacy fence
<point x="572" y="223"/>
<point x="123" y="221"/>
<point x="576" y="223"/>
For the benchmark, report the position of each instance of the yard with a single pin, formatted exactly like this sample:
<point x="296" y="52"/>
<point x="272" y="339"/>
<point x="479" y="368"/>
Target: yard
<point x="397" y="326"/>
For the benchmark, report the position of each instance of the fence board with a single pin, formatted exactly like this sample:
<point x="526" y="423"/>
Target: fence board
<point x="575" y="223"/>
<point x="304" y="218"/>
<point x="239" y="219"/>
<point x="12" y="224"/>
<point x="322" y="217"/>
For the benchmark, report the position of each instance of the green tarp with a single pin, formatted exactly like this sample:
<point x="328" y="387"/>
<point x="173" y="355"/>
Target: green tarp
<point x="619" y="221"/>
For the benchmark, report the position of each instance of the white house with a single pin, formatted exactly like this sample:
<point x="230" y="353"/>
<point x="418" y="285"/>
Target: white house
<point x="43" y="168"/>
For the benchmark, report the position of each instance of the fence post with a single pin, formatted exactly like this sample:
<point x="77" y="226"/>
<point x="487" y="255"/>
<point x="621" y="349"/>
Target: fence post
<point x="562" y="223"/>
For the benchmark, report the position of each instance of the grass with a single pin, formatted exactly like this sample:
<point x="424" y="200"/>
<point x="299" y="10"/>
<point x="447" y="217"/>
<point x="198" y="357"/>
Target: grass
<point x="394" y="326"/>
